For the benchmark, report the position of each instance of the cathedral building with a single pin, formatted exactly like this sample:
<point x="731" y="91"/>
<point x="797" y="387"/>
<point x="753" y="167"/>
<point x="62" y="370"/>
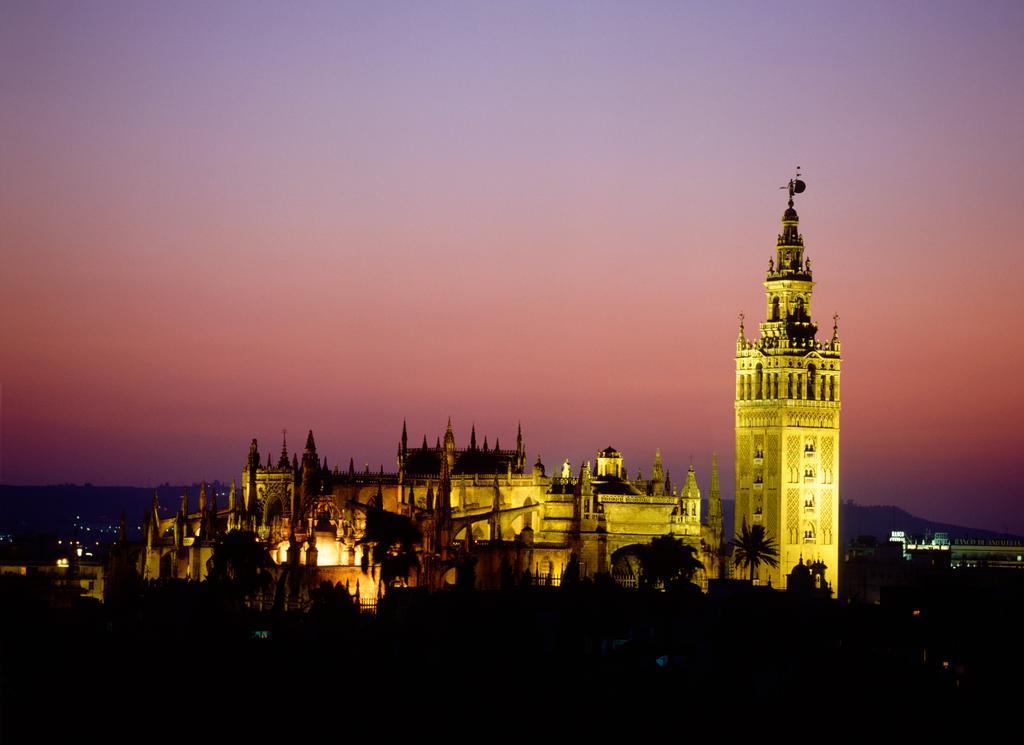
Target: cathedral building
<point x="787" y="417"/>
<point x="485" y="505"/>
<point x="478" y="501"/>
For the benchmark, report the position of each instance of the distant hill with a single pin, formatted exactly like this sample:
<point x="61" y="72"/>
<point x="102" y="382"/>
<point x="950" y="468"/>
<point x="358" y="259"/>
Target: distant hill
<point x="879" y="521"/>
<point x="56" y="508"/>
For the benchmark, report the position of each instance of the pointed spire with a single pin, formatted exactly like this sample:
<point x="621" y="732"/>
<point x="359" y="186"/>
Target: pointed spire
<point x="497" y="444"/>
<point x="690" y="489"/>
<point x="519" y="438"/>
<point x="424" y="442"/>
<point x="790" y="247"/>
<point x="449" y="437"/>
<point x="283" y="461"/>
<point x="715" y="491"/>
<point x="310" y="442"/>
<point x="405" y="437"/>
<point x="351" y="466"/>
<point x="485" y="443"/>
<point x="472" y="435"/>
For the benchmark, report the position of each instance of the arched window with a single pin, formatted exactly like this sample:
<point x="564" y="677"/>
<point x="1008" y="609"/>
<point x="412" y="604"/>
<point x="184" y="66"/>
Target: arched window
<point x="759" y="382"/>
<point x="798" y="310"/>
<point x="775" y="308"/>
<point x="812" y="382"/>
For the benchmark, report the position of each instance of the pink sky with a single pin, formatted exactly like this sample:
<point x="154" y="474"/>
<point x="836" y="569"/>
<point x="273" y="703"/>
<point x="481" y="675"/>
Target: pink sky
<point x="217" y="222"/>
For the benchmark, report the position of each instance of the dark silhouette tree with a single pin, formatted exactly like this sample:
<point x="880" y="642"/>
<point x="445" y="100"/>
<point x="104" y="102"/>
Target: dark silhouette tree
<point x="753" y="547"/>
<point x="667" y="562"/>
<point x="391" y="539"/>
<point x="571" y="573"/>
<point x="240" y="560"/>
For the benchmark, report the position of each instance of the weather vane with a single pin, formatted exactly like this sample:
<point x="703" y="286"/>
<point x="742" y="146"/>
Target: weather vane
<point x="795" y="185"/>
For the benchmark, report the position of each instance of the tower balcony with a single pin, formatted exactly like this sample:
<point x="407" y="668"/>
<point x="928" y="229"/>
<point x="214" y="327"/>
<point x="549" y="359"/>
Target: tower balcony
<point x="758" y="485"/>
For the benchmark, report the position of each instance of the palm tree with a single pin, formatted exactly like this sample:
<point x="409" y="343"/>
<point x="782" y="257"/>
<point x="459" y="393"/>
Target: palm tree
<point x="667" y="561"/>
<point x="754" y="547"/>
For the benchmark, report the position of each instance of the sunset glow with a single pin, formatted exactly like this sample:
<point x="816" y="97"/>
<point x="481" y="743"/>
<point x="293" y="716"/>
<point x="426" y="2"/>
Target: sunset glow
<point x="220" y="221"/>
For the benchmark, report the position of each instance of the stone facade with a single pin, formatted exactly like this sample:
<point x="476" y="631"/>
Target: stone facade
<point x="478" y="501"/>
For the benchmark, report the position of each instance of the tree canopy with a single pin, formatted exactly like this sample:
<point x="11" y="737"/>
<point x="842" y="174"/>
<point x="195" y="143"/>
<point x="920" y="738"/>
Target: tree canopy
<point x="392" y="539"/>
<point x="667" y="561"/>
<point x="753" y="547"/>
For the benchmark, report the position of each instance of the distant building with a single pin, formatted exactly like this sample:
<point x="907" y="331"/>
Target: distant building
<point x="59" y="577"/>
<point x="872" y="567"/>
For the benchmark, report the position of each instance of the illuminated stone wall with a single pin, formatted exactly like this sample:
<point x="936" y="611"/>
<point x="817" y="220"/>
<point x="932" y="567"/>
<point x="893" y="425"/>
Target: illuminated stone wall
<point x="787" y="419"/>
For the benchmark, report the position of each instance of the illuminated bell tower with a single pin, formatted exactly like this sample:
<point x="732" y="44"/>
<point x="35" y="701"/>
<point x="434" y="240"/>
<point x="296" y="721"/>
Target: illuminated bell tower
<point x="787" y="417"/>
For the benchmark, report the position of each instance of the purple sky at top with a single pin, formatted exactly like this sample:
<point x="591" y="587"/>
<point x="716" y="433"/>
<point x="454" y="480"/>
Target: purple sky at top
<point x="221" y="220"/>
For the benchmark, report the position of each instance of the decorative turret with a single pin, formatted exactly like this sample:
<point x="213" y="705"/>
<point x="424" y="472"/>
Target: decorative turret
<point x="472" y="435"/>
<point x="310" y="468"/>
<point x="790" y="245"/>
<point x="657" y="475"/>
<point x="585" y="486"/>
<point x="253" y="461"/>
<point x="689" y="499"/>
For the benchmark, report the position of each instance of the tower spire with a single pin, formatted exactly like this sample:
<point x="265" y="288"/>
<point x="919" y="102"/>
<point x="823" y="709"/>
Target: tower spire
<point x="784" y="377"/>
<point x="283" y="461"/>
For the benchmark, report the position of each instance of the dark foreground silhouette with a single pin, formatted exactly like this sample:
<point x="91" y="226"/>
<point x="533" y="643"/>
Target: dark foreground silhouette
<point x="171" y="649"/>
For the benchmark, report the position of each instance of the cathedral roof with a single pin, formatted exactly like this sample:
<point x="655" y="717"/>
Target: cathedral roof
<point x="615" y="485"/>
<point x="427" y="462"/>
